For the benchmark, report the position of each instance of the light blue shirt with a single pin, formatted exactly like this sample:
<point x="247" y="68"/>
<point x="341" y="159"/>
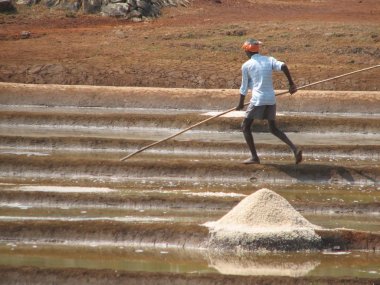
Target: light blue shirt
<point x="257" y="76"/>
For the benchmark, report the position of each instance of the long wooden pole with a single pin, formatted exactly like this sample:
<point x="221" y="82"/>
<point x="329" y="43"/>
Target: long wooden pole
<point x="232" y="109"/>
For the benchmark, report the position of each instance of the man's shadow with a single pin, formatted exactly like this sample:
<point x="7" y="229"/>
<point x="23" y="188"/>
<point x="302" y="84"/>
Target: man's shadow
<point x="333" y="174"/>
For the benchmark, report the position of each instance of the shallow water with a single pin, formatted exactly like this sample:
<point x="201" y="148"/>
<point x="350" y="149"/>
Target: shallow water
<point x="327" y="264"/>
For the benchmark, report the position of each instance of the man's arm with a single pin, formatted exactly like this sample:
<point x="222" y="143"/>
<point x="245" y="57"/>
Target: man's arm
<point x="292" y="85"/>
<point x="240" y="106"/>
<point x="243" y="88"/>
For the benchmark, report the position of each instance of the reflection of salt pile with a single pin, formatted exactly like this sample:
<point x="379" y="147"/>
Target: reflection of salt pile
<point x="266" y="264"/>
<point x="263" y="220"/>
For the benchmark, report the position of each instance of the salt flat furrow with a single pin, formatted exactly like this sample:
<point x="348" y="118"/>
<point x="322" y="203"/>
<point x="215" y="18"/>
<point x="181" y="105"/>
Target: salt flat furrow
<point x="64" y="191"/>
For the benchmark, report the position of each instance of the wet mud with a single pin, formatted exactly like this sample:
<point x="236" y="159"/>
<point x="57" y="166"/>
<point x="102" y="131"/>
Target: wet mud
<point x="114" y="147"/>
<point x="343" y="239"/>
<point x="32" y="275"/>
<point x="210" y="170"/>
<point x="107" y="233"/>
<point x="175" y="201"/>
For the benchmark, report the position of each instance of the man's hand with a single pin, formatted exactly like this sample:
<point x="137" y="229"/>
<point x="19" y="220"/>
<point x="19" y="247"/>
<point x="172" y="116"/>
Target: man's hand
<point x="241" y="103"/>
<point x="239" y="107"/>
<point x="292" y="88"/>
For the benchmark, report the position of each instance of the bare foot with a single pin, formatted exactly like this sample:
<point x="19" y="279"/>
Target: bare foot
<point x="252" y="161"/>
<point x="298" y="156"/>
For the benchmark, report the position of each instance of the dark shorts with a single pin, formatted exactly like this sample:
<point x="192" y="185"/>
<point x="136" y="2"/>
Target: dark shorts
<point x="265" y="112"/>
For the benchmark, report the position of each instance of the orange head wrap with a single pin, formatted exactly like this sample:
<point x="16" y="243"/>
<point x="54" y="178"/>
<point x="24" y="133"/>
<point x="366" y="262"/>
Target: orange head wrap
<point x="251" y="45"/>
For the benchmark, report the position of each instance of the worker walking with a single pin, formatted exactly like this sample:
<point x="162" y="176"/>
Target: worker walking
<point x="257" y="76"/>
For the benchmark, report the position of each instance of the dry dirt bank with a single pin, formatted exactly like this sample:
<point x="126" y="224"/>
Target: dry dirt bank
<point x="194" y="47"/>
<point x="181" y="98"/>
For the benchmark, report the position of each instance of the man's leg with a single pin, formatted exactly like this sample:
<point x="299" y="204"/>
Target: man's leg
<point x="246" y="128"/>
<point x="280" y="134"/>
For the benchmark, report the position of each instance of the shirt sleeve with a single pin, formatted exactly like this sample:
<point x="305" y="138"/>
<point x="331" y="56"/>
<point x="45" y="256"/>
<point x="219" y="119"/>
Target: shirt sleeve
<point x="276" y="64"/>
<point x="244" y="81"/>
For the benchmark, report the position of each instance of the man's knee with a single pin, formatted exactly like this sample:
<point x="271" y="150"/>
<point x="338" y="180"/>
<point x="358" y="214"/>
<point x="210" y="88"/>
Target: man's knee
<point x="272" y="127"/>
<point x="246" y="126"/>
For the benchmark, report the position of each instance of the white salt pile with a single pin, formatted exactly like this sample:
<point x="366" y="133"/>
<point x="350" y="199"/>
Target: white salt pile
<point x="263" y="220"/>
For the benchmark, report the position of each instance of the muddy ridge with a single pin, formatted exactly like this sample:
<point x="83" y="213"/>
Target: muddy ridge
<point x="159" y="235"/>
<point x="287" y="123"/>
<point x="89" y="168"/>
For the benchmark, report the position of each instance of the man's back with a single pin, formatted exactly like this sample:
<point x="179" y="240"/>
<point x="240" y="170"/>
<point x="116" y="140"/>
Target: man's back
<point x="257" y="75"/>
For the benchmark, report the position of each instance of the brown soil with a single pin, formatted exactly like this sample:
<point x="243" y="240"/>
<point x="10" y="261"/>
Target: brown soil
<point x="196" y="46"/>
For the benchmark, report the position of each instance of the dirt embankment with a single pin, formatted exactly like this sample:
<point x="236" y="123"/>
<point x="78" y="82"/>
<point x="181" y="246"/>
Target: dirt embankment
<point x="181" y="98"/>
<point x="195" y="47"/>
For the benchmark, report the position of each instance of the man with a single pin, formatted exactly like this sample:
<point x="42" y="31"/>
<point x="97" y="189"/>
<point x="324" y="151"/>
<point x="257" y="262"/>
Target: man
<point x="257" y="75"/>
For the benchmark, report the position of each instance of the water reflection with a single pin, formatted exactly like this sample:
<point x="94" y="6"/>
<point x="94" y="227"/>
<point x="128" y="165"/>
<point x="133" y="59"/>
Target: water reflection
<point x="296" y="264"/>
<point x="262" y="264"/>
